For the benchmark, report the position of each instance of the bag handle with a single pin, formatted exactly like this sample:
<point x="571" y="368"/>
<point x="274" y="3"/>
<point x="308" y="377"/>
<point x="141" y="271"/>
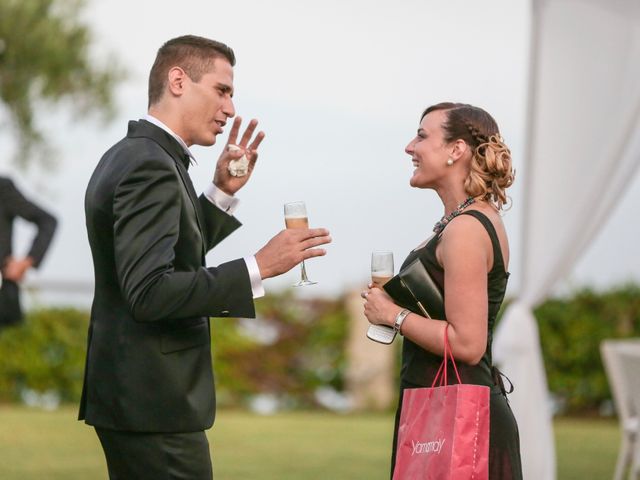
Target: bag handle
<point x="442" y="371"/>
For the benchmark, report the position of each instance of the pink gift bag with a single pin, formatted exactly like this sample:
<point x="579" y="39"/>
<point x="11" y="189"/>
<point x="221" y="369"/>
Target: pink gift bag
<point x="444" y="430"/>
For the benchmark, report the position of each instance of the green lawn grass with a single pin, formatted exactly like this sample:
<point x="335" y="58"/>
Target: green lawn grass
<point x="586" y="449"/>
<point x="294" y="446"/>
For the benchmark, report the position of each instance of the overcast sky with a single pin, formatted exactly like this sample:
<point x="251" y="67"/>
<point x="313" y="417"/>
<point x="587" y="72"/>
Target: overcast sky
<point x="338" y="87"/>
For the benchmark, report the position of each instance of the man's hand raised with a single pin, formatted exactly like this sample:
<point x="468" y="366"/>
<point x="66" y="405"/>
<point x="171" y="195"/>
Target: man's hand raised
<point x="290" y="247"/>
<point x="247" y="146"/>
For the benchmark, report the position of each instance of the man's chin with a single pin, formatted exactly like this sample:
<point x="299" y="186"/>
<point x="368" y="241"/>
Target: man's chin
<point x="207" y="141"/>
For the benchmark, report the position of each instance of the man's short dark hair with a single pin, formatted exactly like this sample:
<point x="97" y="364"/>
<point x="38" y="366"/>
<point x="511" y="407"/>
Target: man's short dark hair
<point x="195" y="55"/>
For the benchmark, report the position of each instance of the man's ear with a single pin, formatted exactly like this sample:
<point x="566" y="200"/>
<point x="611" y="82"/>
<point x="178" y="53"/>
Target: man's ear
<point x="176" y="78"/>
<point x="458" y="149"/>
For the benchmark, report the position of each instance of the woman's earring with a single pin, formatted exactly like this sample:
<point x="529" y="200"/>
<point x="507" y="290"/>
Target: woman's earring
<point x="450" y="162"/>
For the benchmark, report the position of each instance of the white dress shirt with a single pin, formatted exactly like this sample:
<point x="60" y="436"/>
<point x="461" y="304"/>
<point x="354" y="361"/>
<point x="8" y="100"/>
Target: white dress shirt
<point x="225" y="202"/>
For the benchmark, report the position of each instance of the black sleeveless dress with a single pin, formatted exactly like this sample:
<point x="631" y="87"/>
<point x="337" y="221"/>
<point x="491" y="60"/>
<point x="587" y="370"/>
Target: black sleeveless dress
<point x="419" y="366"/>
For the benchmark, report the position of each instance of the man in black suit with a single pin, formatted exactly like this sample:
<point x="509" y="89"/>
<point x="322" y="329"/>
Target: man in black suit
<point x="148" y="386"/>
<point x="13" y="204"/>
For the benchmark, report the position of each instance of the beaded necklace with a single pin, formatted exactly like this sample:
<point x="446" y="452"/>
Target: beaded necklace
<point x="439" y="226"/>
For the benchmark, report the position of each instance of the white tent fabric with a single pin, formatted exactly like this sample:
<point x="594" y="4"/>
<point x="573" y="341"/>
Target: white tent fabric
<point x="583" y="149"/>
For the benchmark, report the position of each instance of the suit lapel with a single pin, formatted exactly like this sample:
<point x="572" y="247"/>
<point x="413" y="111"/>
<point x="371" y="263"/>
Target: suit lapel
<point x="176" y="152"/>
<point x="186" y="181"/>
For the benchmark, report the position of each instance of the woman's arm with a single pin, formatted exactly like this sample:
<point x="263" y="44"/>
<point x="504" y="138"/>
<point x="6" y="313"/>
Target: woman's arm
<point x="466" y="254"/>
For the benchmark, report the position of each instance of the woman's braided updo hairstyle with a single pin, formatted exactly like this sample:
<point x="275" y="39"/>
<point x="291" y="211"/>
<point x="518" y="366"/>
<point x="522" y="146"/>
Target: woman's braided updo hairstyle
<point x="491" y="169"/>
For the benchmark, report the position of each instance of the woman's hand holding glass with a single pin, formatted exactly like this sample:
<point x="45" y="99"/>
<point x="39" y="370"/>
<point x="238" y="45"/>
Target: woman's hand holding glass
<point x="376" y="298"/>
<point x="379" y="307"/>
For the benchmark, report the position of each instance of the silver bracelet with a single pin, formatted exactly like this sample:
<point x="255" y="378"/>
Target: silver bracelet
<point x="400" y="320"/>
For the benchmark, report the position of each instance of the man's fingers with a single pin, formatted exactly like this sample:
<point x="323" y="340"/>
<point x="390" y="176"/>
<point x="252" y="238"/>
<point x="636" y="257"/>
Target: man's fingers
<point x="309" y="238"/>
<point x="302" y="234"/>
<point x="315" y="241"/>
<point x="235" y="154"/>
<point x="233" y="133"/>
<point x="256" y="142"/>
<point x="248" y="133"/>
<point x="313" y="252"/>
<point x="316" y="232"/>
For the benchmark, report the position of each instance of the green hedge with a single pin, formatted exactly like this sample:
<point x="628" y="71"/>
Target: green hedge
<point x="304" y="349"/>
<point x="571" y="330"/>
<point x="45" y="353"/>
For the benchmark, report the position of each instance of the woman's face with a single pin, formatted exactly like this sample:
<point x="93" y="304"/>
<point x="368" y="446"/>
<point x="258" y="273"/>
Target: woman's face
<point x="428" y="151"/>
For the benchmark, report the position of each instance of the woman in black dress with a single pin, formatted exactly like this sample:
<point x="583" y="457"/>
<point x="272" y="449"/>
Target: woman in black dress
<point x="459" y="153"/>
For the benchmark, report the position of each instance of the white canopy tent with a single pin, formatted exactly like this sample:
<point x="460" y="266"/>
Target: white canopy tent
<point x="583" y="150"/>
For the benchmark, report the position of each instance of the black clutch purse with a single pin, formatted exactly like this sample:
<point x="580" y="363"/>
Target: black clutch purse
<point x="414" y="289"/>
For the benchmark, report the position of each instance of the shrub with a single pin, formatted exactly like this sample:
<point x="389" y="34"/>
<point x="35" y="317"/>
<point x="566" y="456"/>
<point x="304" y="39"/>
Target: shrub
<point x="44" y="353"/>
<point x="571" y="330"/>
<point x="297" y="345"/>
<point x="292" y="348"/>
<point x="302" y="350"/>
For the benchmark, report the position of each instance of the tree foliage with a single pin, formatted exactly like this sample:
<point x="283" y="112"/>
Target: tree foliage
<point x="297" y="346"/>
<point x="571" y="330"/>
<point x="294" y="347"/>
<point x="45" y="58"/>
<point x="45" y="353"/>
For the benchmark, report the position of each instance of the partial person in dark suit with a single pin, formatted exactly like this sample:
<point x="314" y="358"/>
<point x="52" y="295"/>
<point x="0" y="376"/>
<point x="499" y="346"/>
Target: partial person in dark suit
<point x="148" y="387"/>
<point x="13" y="204"/>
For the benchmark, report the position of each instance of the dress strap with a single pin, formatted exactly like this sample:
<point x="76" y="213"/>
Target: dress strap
<point x="491" y="230"/>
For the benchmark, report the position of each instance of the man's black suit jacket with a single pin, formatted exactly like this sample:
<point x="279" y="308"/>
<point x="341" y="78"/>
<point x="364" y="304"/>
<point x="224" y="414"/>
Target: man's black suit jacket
<point x="13" y="204"/>
<point x="148" y="362"/>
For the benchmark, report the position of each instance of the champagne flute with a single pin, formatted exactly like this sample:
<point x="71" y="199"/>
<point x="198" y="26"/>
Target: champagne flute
<point x="381" y="268"/>
<point x="381" y="273"/>
<point x="295" y="216"/>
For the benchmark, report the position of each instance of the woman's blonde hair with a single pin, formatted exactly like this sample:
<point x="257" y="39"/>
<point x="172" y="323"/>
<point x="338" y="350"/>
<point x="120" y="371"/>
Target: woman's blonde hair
<point x="491" y="170"/>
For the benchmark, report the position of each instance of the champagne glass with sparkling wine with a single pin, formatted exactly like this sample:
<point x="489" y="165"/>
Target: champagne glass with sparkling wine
<point x="381" y="273"/>
<point x="295" y="216"/>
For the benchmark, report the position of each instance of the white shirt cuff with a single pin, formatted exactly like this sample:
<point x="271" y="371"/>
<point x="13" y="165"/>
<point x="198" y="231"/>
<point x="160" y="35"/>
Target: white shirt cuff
<point x="254" y="276"/>
<point x="225" y="202"/>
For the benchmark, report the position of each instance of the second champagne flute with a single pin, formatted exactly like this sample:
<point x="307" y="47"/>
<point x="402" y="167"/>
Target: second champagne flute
<point x="381" y="268"/>
<point x="295" y="216"/>
<point x="381" y="273"/>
